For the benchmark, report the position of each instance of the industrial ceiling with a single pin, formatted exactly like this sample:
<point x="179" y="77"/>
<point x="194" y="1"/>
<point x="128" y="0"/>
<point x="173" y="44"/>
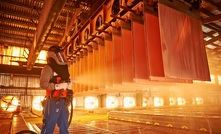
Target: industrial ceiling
<point x="38" y="24"/>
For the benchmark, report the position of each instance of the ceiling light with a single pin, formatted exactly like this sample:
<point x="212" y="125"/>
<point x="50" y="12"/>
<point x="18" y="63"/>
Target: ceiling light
<point x="207" y="38"/>
<point x="206" y="29"/>
<point x="217" y="42"/>
<point x="210" y="46"/>
<point x="216" y="34"/>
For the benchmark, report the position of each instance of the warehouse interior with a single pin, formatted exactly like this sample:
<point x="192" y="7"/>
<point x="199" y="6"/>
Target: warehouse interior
<point x="126" y="55"/>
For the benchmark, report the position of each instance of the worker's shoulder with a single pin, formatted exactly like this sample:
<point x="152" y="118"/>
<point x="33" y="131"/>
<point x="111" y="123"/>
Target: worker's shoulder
<point x="47" y="67"/>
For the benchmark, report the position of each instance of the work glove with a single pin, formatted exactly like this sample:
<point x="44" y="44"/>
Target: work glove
<point x="61" y="86"/>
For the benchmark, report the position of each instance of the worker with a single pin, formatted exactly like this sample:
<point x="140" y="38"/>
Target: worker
<point x="55" y="79"/>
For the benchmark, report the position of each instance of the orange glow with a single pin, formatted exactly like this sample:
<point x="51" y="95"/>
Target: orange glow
<point x="90" y="79"/>
<point x="213" y="79"/>
<point x="42" y="57"/>
<point x="181" y="101"/>
<point x="91" y="102"/>
<point x="129" y="102"/>
<point x="17" y="55"/>
<point x="111" y="102"/>
<point x="172" y="101"/>
<point x="199" y="100"/>
<point x="37" y="103"/>
<point x="219" y="79"/>
<point x="158" y="101"/>
<point x="9" y="103"/>
<point x="144" y="102"/>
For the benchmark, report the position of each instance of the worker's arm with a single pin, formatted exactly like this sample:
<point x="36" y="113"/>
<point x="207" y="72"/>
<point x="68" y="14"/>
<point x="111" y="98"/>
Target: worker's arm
<point x="46" y="75"/>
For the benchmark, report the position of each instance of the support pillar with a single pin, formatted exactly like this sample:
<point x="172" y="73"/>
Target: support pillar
<point x="139" y="99"/>
<point x="102" y="101"/>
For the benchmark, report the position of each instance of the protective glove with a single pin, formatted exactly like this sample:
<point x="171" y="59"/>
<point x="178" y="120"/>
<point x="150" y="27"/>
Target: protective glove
<point x="61" y="86"/>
